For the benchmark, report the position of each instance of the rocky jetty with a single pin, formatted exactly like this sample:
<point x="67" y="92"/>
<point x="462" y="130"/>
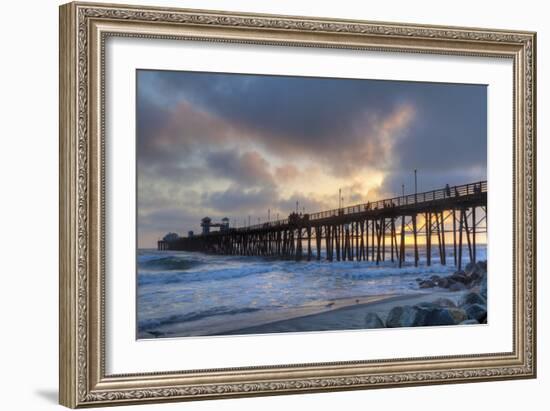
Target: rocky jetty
<point x="470" y="309"/>
<point x="474" y="275"/>
<point x="373" y="320"/>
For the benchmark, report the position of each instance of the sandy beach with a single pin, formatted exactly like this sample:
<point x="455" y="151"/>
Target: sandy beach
<point x="228" y="325"/>
<point x="343" y="314"/>
<point x="348" y="317"/>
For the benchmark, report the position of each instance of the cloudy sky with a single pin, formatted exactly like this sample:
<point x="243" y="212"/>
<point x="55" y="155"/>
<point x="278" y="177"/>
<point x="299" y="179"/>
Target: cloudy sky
<point x="233" y="145"/>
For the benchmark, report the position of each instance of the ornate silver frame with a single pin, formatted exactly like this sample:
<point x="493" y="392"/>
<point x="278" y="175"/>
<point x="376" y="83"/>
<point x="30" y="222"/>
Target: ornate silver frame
<point x="83" y="30"/>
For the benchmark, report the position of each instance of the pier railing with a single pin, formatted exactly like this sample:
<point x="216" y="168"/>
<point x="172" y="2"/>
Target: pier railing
<point x="447" y="192"/>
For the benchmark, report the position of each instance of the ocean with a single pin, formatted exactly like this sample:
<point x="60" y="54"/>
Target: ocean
<point x="192" y="294"/>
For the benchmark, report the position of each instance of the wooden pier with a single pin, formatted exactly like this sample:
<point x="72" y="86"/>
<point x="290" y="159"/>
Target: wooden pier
<point x="454" y="215"/>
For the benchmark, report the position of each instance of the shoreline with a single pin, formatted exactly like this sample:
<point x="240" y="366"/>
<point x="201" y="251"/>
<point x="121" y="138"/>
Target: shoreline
<point x="350" y="317"/>
<point x="333" y="315"/>
<point x="225" y="325"/>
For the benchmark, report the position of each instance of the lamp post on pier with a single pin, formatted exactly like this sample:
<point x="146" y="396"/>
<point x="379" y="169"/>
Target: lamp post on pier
<point x="415" y="186"/>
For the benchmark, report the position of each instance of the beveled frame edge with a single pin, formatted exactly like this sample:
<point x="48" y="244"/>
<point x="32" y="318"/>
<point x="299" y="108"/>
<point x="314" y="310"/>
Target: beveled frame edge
<point x="83" y="28"/>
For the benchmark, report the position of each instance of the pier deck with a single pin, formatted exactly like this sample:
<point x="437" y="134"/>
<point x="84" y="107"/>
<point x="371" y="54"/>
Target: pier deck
<point x="361" y="232"/>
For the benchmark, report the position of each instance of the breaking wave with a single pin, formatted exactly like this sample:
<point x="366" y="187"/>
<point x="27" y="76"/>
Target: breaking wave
<point x="169" y="263"/>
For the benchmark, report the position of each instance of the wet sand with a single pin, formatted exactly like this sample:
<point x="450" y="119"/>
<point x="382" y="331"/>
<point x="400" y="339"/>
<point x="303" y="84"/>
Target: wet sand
<point x="333" y="315"/>
<point x="349" y="317"/>
<point x="231" y="325"/>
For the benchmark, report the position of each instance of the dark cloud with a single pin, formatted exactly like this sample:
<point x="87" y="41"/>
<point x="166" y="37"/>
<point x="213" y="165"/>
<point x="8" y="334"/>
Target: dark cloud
<point x="225" y="145"/>
<point x="450" y="131"/>
<point x="176" y="134"/>
<point x="427" y="180"/>
<point x="311" y="109"/>
<point x="313" y="115"/>
<point x="247" y="168"/>
<point x="292" y="116"/>
<point x="241" y="200"/>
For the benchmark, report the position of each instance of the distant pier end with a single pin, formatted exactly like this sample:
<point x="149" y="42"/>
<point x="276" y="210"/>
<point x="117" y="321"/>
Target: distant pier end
<point x="361" y="232"/>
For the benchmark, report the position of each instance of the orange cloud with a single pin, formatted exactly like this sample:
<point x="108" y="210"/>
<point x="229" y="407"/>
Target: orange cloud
<point x="286" y="172"/>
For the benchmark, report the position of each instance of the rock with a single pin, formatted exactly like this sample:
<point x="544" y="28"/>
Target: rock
<point x="473" y="298"/>
<point x="430" y="314"/>
<point x="372" y="320"/>
<point x="476" y="312"/>
<point x="445" y="302"/>
<point x="470" y="268"/>
<point x="401" y="316"/>
<point x="418" y="280"/>
<point x="476" y="271"/>
<point x="423" y="311"/>
<point x="459" y="277"/>
<point x="474" y="277"/>
<point x="426" y="304"/>
<point x="438" y="316"/>
<point x="482" y="265"/>
<point x="458" y="314"/>
<point x="478" y="268"/>
<point x="483" y="290"/>
<point x="424" y="314"/>
<point x="443" y="283"/>
<point x="459" y="272"/>
<point x="426" y="284"/>
<point x="467" y="322"/>
<point x="457" y="286"/>
<point x="483" y="286"/>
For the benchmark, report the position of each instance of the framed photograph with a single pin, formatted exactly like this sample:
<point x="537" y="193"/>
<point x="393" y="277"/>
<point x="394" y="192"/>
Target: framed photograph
<point x="259" y="204"/>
